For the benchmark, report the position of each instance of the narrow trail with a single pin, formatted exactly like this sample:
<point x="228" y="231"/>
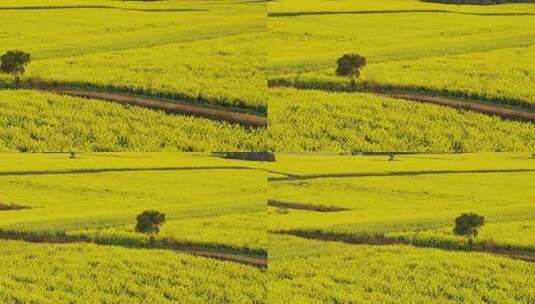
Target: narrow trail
<point x="478" y="106"/>
<point x="67" y="7"/>
<point x="249" y="260"/>
<point x="394" y="173"/>
<point x="105" y="170"/>
<point x="504" y="112"/>
<point x="513" y="253"/>
<point x="167" y="105"/>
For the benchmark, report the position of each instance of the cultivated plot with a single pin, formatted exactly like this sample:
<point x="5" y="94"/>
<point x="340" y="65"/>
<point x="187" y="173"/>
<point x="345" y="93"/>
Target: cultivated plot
<point x="448" y="75"/>
<point x="391" y="219"/>
<point x="141" y="54"/>
<point x="56" y="208"/>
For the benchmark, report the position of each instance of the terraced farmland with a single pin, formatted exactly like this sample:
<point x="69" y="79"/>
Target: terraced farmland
<point x="392" y="221"/>
<point x="468" y="55"/>
<point x="71" y="204"/>
<point x="146" y="49"/>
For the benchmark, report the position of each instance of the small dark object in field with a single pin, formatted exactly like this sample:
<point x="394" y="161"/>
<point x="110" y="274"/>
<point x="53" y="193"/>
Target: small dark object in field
<point x="14" y="63"/>
<point x="468" y="225"/>
<point x="391" y="157"/>
<point x="457" y="147"/>
<point x="7" y="207"/>
<point x="148" y="222"/>
<point x="252" y="156"/>
<point x="349" y="66"/>
<point x="72" y="155"/>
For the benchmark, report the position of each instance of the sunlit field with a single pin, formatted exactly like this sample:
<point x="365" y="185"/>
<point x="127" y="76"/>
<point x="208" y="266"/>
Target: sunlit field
<point x="392" y="220"/>
<point x="479" y="53"/>
<point x="319" y="121"/>
<point x="32" y="121"/>
<point x="142" y="48"/>
<point x="309" y="271"/>
<point x="89" y="199"/>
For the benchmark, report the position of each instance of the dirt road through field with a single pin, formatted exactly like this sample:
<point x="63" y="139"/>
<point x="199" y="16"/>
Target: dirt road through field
<point x="166" y="105"/>
<point x="485" y="108"/>
<point x="506" y="251"/>
<point x="474" y="105"/>
<point x="250" y="260"/>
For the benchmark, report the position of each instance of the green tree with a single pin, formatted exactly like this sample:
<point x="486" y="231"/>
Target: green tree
<point x="467" y="225"/>
<point x="149" y="222"/>
<point x="349" y="66"/>
<point x="14" y="63"/>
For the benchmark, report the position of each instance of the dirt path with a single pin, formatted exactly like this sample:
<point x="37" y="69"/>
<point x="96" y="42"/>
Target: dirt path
<point x="106" y="170"/>
<point x="166" y="105"/>
<point x="250" y="260"/>
<point x="471" y="105"/>
<point x="479" y="106"/>
<point x="395" y="173"/>
<point x="513" y="253"/>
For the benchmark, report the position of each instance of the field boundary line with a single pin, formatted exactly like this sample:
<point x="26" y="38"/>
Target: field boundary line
<point x="381" y="240"/>
<point x="479" y="106"/>
<point x="106" y="170"/>
<point x="400" y="11"/>
<point x="304" y="206"/>
<point x="170" y="106"/>
<point x="59" y="7"/>
<point x="259" y="261"/>
<point x="395" y="173"/>
<point x="470" y="105"/>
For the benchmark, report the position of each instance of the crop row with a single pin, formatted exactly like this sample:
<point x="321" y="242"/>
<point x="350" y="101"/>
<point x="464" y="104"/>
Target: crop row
<point x="226" y="72"/>
<point x="484" y="76"/>
<point x="339" y="122"/>
<point x="391" y="274"/>
<point x="89" y="273"/>
<point x="32" y="121"/>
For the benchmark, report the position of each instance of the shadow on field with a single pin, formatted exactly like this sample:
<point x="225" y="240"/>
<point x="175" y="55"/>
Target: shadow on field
<point x="379" y="239"/>
<point x="395" y="173"/>
<point x="304" y="206"/>
<point x="254" y="1"/>
<point x="243" y="255"/>
<point x="11" y="207"/>
<point x="58" y="7"/>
